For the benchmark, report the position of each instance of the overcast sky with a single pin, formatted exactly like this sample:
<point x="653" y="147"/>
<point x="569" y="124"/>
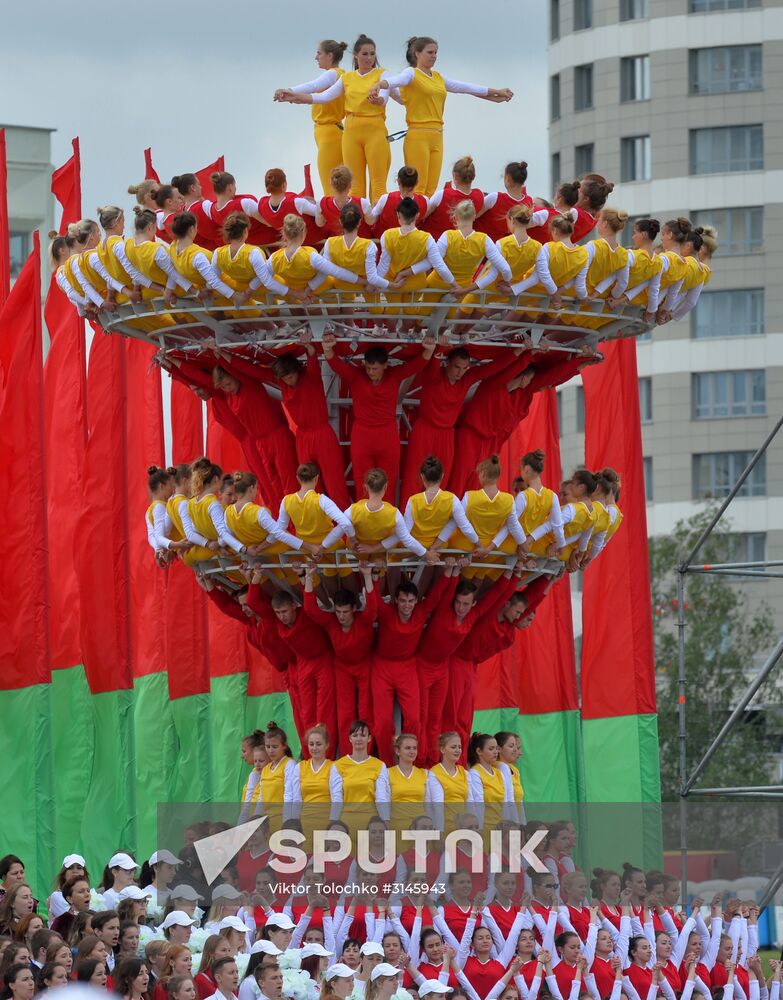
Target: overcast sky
<point x="194" y="80"/>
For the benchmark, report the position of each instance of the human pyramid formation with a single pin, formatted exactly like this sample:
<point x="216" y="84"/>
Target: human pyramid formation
<point x="514" y="937"/>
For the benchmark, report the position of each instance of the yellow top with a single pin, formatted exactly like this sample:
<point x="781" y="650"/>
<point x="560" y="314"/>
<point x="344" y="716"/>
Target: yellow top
<point x="538" y="508"/>
<point x="583" y="519"/>
<point x="520" y="257"/>
<point x="359" y="778"/>
<point x="464" y="254"/>
<point x="333" y="112"/>
<point x="172" y="507"/>
<point x="353" y="258"/>
<point x="236" y="271"/>
<point x="199" y="515"/>
<point x="243" y="524"/>
<point x="455" y="788"/>
<point x="601" y="523"/>
<point x="143" y="259"/>
<point x="565" y="262"/>
<point x="606" y="262"/>
<point x="67" y="269"/>
<point x="614" y="526"/>
<point x="107" y="257"/>
<point x="411" y="789"/>
<point x="183" y="262"/>
<point x="675" y="270"/>
<point x="487" y="515"/>
<point x="404" y="249"/>
<point x="493" y="784"/>
<point x="357" y="89"/>
<point x="643" y="268"/>
<point x="372" y="526"/>
<point x="516" y="782"/>
<point x="429" y="519"/>
<point x="296" y="272"/>
<point x="424" y="99"/>
<point x="272" y="782"/>
<point x="311" y="523"/>
<point x="315" y="784"/>
<point x="89" y="271"/>
<point x="694" y="274"/>
<point x="152" y="507"/>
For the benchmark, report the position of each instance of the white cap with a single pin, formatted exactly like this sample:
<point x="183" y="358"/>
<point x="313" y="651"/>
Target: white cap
<point x="234" y="923"/>
<point x="74" y="859"/>
<point x="383" y="969"/>
<point x="338" y="970"/>
<point x="266" y="947"/>
<point x="225" y="891"/>
<point x="178" y="918"/>
<point x="316" y="949"/>
<point x="432" y="986"/>
<point x="371" y="948"/>
<point x="166" y="856"/>
<point x="281" y="921"/>
<point x="122" y="860"/>
<point x="184" y="892"/>
<point x="133" y="892"/>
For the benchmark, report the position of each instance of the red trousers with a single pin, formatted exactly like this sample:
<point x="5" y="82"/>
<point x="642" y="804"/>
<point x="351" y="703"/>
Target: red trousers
<point x="315" y="682"/>
<point x="375" y="448"/>
<point x="354" y="701"/>
<point x="460" y="701"/>
<point x="390" y="679"/>
<point x="470" y="448"/>
<point x="433" y="688"/>
<point x="322" y="447"/>
<point x="426" y="439"/>
<point x="291" y="679"/>
<point x="278" y="453"/>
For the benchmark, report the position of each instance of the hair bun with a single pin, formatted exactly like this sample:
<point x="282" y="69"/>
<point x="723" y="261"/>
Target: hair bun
<point x="53" y="234"/>
<point x="152" y="469"/>
<point x="214" y="176"/>
<point x="175" y="180"/>
<point x="523" y="164"/>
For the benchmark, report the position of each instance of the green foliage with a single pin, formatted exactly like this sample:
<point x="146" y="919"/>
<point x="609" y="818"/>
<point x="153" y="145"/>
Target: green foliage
<point x="722" y="639"/>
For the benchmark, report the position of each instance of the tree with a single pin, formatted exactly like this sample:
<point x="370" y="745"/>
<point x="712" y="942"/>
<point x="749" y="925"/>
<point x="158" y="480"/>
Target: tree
<point x="723" y="637"/>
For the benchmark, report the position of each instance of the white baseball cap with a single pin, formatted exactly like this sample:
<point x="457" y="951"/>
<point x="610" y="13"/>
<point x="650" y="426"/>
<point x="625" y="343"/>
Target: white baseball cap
<point x="371" y="948"/>
<point x="122" y="860"/>
<point x="184" y="892"/>
<point x="266" y="947"/>
<point x="177" y="918"/>
<point x="316" y="949"/>
<point x="281" y="921"/>
<point x="133" y="892"/>
<point x="432" y="986"/>
<point x="383" y="969"/>
<point x="338" y="970"/>
<point x="74" y="859"/>
<point x="166" y="856"/>
<point x="234" y="923"/>
<point x="225" y="891"/>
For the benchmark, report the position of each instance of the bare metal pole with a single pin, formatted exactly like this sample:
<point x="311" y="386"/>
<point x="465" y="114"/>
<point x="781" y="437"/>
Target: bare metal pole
<point x="729" y="724"/>
<point x="682" y="734"/>
<point x="773" y="885"/>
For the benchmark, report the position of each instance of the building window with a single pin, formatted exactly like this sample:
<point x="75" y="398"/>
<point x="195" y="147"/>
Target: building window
<point x="555" y="170"/>
<point x="633" y="10"/>
<point x="715" y="473"/>
<point x="729" y="394"/>
<point x="725" y="69"/>
<point x="647" y="464"/>
<point x="583" y="159"/>
<point x="645" y="400"/>
<point x="744" y="547"/>
<point x="554" y="97"/>
<point x="20" y="251"/>
<point x="740" y="230"/>
<point x="580" y="409"/>
<point x="554" y="20"/>
<point x="707" y="6"/>
<point x="583" y="14"/>
<point x="583" y="87"/>
<point x="736" y="312"/>
<point x="635" y="78"/>
<point x="727" y="148"/>
<point x="636" y="158"/>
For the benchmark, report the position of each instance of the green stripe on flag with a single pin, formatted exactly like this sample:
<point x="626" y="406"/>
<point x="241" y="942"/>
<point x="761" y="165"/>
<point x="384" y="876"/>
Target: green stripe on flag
<point x="156" y="755"/>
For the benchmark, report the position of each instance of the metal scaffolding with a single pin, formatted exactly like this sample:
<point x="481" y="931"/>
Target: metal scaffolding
<point x="688" y="780"/>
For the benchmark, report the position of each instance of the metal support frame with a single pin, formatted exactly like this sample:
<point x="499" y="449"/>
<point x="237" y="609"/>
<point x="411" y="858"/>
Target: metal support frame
<point x="688" y="782"/>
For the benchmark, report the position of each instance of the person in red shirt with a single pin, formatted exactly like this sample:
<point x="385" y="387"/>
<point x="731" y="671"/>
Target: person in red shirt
<point x="327" y="216"/>
<point x="375" y="435"/>
<point x="492" y="217"/>
<point x="311" y="652"/>
<point x="304" y="401"/>
<point x="443" y="392"/>
<point x="396" y="667"/>
<point x="480" y="969"/>
<point x="383" y="215"/>
<point x="189" y="187"/>
<point x="277" y="203"/>
<point x="444" y="200"/>
<point x="351" y="633"/>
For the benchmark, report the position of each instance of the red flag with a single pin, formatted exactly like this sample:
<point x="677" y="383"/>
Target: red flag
<point x="307" y="190"/>
<point x="65" y="405"/>
<point x="222" y="447"/>
<point x="5" y="236"/>
<point x="150" y="173"/>
<point x="618" y="674"/>
<point x="207" y="191"/>
<point x="102" y="556"/>
<point x="67" y="188"/>
<point x="24" y="624"/>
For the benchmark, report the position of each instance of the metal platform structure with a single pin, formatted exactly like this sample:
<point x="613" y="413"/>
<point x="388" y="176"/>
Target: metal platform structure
<point x="689" y="779"/>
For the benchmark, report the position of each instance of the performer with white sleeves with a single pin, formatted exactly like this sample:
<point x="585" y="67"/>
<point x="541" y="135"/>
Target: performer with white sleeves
<point x="315" y="780"/>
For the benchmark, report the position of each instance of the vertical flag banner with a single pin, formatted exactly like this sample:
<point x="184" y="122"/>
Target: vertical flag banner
<point x="204" y="177"/>
<point x="67" y="187"/>
<point x="150" y="173"/>
<point x="5" y="234"/>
